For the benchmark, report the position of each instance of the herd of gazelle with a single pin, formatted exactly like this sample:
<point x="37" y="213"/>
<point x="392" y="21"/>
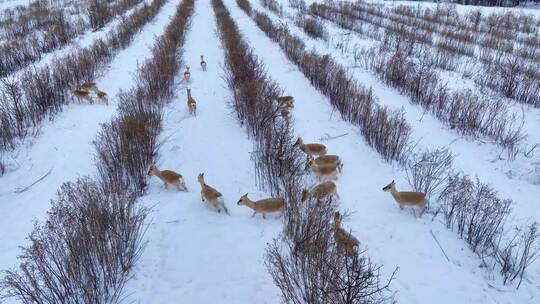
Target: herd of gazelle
<point x="325" y="167"/>
<point x="84" y="92"/>
<point x="191" y="103"/>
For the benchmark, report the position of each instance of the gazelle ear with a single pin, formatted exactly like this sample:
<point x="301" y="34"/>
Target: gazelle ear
<point x="246" y="194"/>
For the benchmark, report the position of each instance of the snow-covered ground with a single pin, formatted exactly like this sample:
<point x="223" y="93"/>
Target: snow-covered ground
<point x="65" y="146"/>
<point x="196" y="255"/>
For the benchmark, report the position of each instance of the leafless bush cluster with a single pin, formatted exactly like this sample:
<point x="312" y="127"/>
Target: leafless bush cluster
<point x="273" y="5"/>
<point x="325" y="273"/>
<point x="478" y="215"/>
<point x="307" y="268"/>
<point x="516" y="254"/>
<point x="41" y="93"/>
<point x="85" y="251"/>
<point x="384" y="129"/>
<point x="41" y="28"/>
<point x="298" y="4"/>
<point x="513" y="78"/>
<point x="245" y="5"/>
<point x="313" y="27"/>
<point x="427" y="172"/>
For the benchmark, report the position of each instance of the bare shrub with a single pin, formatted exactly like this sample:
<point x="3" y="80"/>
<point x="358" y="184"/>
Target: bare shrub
<point x="430" y="170"/>
<point x="298" y="4"/>
<point x="98" y="13"/>
<point x="517" y="254"/>
<point x="474" y="210"/>
<point x="307" y="267"/>
<point x="313" y="27"/>
<point x="85" y="250"/>
<point x="273" y="5"/>
<point x="245" y="6"/>
<point x="126" y="147"/>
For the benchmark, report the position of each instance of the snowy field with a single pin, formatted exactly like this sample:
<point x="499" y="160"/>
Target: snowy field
<point x="194" y="254"/>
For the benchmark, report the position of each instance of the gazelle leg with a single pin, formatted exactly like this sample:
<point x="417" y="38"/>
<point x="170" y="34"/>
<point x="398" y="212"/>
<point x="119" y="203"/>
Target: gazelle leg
<point x="254" y="212"/>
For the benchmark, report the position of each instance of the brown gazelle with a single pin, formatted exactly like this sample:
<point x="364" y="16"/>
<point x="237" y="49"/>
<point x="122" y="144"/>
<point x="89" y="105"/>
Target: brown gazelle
<point x="191" y="103"/>
<point x="310" y="149"/>
<point x="322" y="190"/>
<point x="285" y="113"/>
<point x="325" y="160"/>
<point x="102" y="96"/>
<point x="345" y="242"/>
<point x="411" y="199"/>
<point x="285" y="101"/>
<point x="211" y="195"/>
<point x="203" y="63"/>
<point x="81" y="94"/>
<point x="325" y="171"/>
<point x="168" y="177"/>
<point x="187" y="73"/>
<point x="88" y="86"/>
<point x="263" y="206"/>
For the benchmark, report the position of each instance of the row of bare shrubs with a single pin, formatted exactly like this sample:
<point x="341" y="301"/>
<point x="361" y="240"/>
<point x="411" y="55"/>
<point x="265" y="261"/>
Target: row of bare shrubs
<point x="479" y="212"/>
<point x="273" y="5"/>
<point x="51" y="28"/>
<point x="471" y="28"/>
<point x="41" y="93"/>
<point x="303" y="261"/>
<point x="313" y="27"/>
<point x="476" y="213"/>
<point x="382" y="128"/>
<point x="86" y="250"/>
<point x="447" y="51"/>
<point x="465" y="111"/>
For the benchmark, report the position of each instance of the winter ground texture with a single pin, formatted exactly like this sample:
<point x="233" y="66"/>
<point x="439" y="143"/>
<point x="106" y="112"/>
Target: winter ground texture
<point x="194" y="254"/>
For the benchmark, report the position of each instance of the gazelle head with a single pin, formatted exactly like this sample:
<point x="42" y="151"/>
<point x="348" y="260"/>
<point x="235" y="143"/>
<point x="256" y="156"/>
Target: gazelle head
<point x="200" y="178"/>
<point x="305" y="194"/>
<point x="390" y="187"/>
<point x="188" y="92"/>
<point x="298" y="142"/>
<point x="152" y="169"/>
<point x="187" y="68"/>
<point x="243" y="200"/>
<point x="309" y="162"/>
<point x="337" y="219"/>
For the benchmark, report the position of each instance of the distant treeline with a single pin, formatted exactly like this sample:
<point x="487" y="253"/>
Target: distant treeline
<point x="504" y="3"/>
